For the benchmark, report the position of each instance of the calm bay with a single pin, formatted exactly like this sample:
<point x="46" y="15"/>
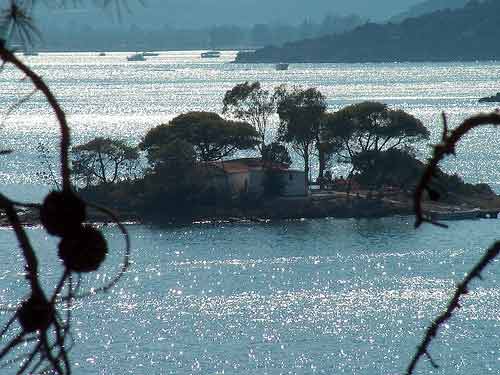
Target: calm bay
<point x="329" y="296"/>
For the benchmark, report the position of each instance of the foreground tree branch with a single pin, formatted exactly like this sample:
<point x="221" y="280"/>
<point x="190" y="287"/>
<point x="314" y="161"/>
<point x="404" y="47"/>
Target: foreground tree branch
<point x="44" y="341"/>
<point x="445" y="148"/>
<point x="9" y="57"/>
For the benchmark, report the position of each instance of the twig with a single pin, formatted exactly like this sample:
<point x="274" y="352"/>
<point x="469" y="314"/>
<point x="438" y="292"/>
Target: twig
<point x="447" y="147"/>
<point x="8" y="56"/>
<point x="454" y="304"/>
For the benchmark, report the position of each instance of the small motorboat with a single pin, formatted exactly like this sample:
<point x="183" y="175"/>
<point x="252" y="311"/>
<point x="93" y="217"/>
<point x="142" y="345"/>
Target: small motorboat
<point x="474" y="213"/>
<point x="210" y="54"/>
<point x="491" y="99"/>
<point x="282" y="66"/>
<point x="150" y="54"/>
<point x="136" y="57"/>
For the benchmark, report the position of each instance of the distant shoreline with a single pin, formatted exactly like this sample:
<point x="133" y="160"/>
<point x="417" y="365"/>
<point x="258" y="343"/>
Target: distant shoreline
<point x="277" y="60"/>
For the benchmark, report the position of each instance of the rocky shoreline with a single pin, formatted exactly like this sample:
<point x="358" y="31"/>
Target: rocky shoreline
<point x="336" y="205"/>
<point x="317" y="205"/>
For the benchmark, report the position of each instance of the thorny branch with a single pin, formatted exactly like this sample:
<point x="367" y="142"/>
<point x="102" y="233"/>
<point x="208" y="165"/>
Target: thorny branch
<point x="447" y="147"/>
<point x="8" y="57"/>
<point x="82" y="249"/>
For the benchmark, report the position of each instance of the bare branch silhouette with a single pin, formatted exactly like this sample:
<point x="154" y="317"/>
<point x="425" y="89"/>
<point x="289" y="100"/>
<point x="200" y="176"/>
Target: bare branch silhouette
<point x="44" y="341"/>
<point x="445" y="148"/>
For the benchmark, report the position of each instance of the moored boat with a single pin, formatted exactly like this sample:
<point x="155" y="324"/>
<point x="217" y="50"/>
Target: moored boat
<point x="491" y="99"/>
<point x="210" y="54"/>
<point x="281" y="66"/>
<point x="455" y="214"/>
<point x="136" y="57"/>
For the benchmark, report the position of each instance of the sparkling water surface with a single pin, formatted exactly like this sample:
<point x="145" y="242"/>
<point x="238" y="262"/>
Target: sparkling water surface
<point x="325" y="296"/>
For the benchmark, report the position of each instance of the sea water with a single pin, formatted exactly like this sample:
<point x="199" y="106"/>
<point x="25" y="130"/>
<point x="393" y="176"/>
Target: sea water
<point x="327" y="296"/>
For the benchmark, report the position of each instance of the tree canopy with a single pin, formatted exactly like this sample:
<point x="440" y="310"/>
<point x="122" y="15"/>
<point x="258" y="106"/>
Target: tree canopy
<point x="173" y="158"/>
<point x="103" y="160"/>
<point x="300" y="112"/>
<point x="249" y="102"/>
<point x="276" y="153"/>
<point x="211" y="136"/>
<point x="393" y="167"/>
<point x="373" y="126"/>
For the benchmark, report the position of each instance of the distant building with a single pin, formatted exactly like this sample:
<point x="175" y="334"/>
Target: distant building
<point x="247" y="176"/>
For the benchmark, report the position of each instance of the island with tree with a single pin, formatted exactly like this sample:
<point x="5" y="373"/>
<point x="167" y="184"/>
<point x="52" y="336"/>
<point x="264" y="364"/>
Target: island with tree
<point x="238" y="164"/>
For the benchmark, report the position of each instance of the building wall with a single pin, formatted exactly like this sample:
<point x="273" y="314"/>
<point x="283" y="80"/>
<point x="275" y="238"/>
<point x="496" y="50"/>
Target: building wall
<point x="256" y="182"/>
<point x="252" y="182"/>
<point x="295" y="183"/>
<point x="237" y="182"/>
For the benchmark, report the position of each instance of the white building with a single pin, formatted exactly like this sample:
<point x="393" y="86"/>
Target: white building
<point x="247" y="176"/>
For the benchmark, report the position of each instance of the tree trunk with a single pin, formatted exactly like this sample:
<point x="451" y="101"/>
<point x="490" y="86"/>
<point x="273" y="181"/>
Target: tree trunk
<point x="306" y="166"/>
<point x="322" y="165"/>
<point x="103" y="168"/>
<point x="349" y="183"/>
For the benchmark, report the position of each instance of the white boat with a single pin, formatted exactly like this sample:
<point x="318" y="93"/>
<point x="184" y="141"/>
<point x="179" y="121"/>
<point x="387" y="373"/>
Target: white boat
<point x="210" y="54"/>
<point x="281" y="66"/>
<point x="136" y="57"/>
<point x="150" y="54"/>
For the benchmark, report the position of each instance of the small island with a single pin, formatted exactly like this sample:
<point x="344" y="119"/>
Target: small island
<point x="205" y="166"/>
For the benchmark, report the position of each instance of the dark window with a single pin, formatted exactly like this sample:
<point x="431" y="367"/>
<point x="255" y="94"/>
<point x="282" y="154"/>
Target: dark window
<point x="290" y="176"/>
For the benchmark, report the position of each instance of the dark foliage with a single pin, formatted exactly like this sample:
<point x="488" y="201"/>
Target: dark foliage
<point x="373" y="126"/>
<point x="276" y="153"/>
<point x="300" y="112"/>
<point x="211" y="136"/>
<point x="249" y="102"/>
<point x="391" y="168"/>
<point x="103" y="160"/>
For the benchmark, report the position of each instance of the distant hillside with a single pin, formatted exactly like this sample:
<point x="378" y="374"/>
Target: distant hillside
<point x="191" y="14"/>
<point x="428" y="6"/>
<point x="466" y="34"/>
<point x="59" y="37"/>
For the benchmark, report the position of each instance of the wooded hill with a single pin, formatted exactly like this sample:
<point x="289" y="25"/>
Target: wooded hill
<point x="466" y="34"/>
<point x="426" y="7"/>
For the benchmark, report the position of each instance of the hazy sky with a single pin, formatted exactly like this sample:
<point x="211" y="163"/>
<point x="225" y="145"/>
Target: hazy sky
<point x="193" y="13"/>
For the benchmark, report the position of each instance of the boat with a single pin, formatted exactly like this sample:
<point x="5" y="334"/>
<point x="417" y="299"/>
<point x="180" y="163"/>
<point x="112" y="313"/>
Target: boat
<point x="136" y="57"/>
<point x="102" y="54"/>
<point x="150" y="54"/>
<point x="455" y="214"/>
<point x="210" y="54"/>
<point x="282" y="66"/>
<point x="30" y="53"/>
<point x="491" y="99"/>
